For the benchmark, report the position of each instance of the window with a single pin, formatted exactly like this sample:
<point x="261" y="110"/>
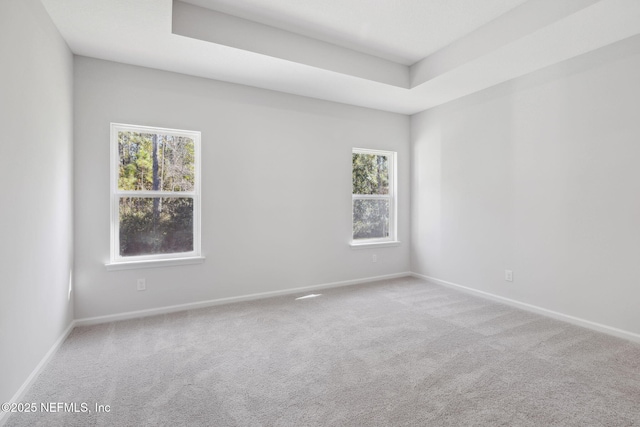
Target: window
<point x="155" y="194"/>
<point x="373" y="194"/>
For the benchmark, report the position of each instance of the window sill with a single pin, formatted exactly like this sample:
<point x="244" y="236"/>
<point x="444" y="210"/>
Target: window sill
<point x="367" y="245"/>
<point x="130" y="265"/>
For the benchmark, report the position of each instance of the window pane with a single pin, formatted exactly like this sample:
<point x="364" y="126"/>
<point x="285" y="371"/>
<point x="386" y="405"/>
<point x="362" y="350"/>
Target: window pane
<point x="370" y="218"/>
<point x="155" y="162"/>
<point x="158" y="225"/>
<point x="370" y="173"/>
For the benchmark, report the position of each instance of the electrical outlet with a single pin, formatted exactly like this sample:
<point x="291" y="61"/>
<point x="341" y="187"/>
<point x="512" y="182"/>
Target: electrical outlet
<point x="374" y="258"/>
<point x="142" y="284"/>
<point x="508" y="275"/>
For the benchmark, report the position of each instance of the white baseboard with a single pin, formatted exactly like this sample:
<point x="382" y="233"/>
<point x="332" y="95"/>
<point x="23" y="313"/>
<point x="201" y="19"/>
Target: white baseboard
<point x="535" y="309"/>
<point x="19" y="395"/>
<point x="202" y="304"/>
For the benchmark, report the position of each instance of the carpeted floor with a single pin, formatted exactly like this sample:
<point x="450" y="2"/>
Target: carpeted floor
<point x="397" y="353"/>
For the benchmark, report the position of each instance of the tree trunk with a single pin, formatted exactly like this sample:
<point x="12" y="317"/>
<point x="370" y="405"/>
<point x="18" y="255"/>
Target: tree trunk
<point x="156" y="181"/>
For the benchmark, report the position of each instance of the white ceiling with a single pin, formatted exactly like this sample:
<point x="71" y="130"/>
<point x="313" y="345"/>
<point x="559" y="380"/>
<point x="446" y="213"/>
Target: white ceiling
<point x="395" y="55"/>
<point x="403" y="31"/>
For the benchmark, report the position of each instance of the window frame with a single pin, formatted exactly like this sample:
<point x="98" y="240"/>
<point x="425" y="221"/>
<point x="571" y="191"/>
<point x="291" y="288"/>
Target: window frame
<point x="391" y="239"/>
<point x="118" y="261"/>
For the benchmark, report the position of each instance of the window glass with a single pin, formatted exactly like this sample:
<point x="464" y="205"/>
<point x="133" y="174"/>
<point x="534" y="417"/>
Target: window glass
<point x="155" y="162"/>
<point x="155" y="225"/>
<point x="370" y="173"/>
<point x="370" y="218"/>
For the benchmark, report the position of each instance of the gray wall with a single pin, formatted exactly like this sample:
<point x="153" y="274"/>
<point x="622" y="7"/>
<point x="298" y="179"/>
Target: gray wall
<point x="276" y="187"/>
<point x="541" y="176"/>
<point x="36" y="175"/>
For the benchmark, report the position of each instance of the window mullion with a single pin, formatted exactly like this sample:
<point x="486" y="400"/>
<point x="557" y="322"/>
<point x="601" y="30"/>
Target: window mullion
<point x="155" y="194"/>
<point x="371" y="196"/>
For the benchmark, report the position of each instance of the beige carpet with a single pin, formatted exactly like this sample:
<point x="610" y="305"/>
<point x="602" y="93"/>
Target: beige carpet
<point x="397" y="353"/>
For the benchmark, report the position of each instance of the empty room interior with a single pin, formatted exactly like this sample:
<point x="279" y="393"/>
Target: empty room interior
<point x="336" y="212"/>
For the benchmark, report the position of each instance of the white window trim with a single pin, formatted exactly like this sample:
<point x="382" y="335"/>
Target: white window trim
<point x="355" y="244"/>
<point x="118" y="262"/>
<point x="391" y="240"/>
<point x="132" y="265"/>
